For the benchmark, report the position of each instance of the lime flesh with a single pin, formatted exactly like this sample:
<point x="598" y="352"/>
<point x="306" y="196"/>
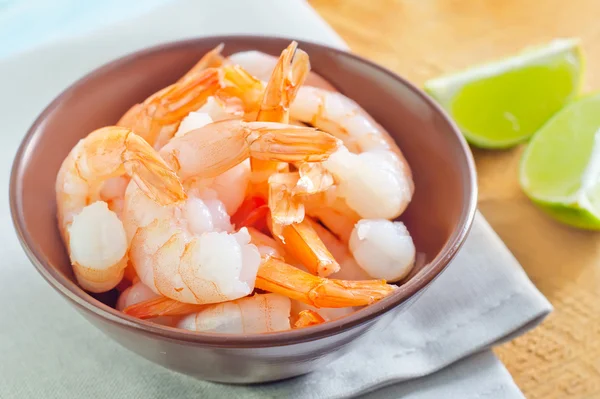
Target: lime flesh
<point x="560" y="169"/>
<point x="500" y="104"/>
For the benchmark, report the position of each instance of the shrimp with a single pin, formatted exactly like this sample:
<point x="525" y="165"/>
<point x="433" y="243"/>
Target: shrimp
<point x="93" y="234"/>
<point x="384" y="249"/>
<point x="185" y="251"/>
<point x="158" y="117"/>
<point x="371" y="173"/>
<point x="259" y="313"/>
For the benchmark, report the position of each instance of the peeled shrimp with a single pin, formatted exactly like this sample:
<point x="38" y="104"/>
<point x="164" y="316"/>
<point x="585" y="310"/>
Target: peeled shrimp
<point x="252" y="315"/>
<point x="185" y="250"/>
<point x="382" y="248"/>
<point x="93" y="234"/>
<point x="370" y="171"/>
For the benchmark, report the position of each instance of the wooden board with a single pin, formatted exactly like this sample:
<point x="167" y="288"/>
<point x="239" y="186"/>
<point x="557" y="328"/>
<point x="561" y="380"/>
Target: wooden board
<point x="420" y="39"/>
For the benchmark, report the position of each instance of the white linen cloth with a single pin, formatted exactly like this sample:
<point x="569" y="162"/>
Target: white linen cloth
<point x="436" y="349"/>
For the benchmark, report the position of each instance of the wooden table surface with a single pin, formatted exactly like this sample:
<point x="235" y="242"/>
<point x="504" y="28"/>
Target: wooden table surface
<point x="420" y="39"/>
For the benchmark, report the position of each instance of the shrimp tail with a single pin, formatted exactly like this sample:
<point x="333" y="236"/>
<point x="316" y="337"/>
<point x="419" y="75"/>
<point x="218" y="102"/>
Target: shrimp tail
<point x="239" y="89"/>
<point x="313" y="179"/>
<point x="152" y="175"/>
<point x="287" y="143"/>
<point x="279" y="277"/>
<point x="158" y="118"/>
<point x="212" y="59"/>
<point x="185" y="96"/>
<point x="289" y="74"/>
<point x="307" y="318"/>
<point x="285" y="208"/>
<point x="302" y="242"/>
<point x="161" y="306"/>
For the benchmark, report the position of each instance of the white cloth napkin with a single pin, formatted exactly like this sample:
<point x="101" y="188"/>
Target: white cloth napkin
<point x="438" y="348"/>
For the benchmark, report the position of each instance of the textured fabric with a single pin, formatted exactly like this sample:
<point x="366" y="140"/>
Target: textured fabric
<point x="48" y="350"/>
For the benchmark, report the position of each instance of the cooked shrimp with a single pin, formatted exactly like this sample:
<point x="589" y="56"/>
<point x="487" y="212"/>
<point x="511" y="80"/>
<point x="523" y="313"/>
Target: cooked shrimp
<point x="158" y="117"/>
<point x="374" y="179"/>
<point x="179" y="252"/>
<point x="307" y="318"/>
<point x="252" y="315"/>
<point x="383" y="249"/>
<point x="93" y="234"/>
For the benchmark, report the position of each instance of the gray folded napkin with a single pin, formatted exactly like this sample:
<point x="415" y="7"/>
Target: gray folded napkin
<point x="438" y="348"/>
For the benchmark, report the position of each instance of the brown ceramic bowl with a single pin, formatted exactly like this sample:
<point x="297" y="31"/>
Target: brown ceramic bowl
<point x="439" y="216"/>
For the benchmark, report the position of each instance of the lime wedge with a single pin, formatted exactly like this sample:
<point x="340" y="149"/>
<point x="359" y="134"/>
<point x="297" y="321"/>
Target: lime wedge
<point x="560" y="168"/>
<point x="501" y="104"/>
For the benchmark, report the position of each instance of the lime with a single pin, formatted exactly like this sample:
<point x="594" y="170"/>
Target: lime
<point x="501" y="104"/>
<point x="560" y="168"/>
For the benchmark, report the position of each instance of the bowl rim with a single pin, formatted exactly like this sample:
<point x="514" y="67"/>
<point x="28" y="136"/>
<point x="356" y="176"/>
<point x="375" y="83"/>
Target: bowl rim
<point x="84" y="301"/>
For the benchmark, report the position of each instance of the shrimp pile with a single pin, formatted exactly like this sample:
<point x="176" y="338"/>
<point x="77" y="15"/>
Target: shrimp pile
<point x="247" y="197"/>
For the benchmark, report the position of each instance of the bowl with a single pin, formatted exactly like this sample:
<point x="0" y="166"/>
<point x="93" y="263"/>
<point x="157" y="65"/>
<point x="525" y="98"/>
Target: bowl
<point x="439" y="216"/>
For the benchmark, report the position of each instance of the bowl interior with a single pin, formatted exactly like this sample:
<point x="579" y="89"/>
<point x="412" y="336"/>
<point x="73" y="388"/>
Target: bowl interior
<point x="438" y="217"/>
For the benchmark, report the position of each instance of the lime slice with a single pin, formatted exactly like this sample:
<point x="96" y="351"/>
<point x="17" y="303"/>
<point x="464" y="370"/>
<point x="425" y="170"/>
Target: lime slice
<point x="560" y="169"/>
<point x="500" y="104"/>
